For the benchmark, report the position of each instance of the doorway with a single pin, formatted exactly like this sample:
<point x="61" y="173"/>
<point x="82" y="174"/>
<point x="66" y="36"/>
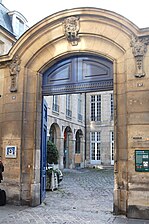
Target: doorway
<point x="79" y="74"/>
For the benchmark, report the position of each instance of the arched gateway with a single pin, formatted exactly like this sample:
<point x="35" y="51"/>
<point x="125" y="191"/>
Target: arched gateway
<point x="82" y="31"/>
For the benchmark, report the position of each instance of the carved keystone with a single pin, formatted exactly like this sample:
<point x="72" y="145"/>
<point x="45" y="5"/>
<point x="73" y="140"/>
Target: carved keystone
<point x="71" y="29"/>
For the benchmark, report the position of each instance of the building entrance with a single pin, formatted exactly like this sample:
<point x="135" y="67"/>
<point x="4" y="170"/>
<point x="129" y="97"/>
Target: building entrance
<point x="75" y="76"/>
<point x="110" y="53"/>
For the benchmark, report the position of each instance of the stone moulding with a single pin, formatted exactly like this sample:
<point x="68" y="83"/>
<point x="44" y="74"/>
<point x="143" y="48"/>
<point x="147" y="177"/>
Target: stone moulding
<point x="139" y="48"/>
<point x="71" y="29"/>
<point x="14" y="69"/>
<point x="86" y="87"/>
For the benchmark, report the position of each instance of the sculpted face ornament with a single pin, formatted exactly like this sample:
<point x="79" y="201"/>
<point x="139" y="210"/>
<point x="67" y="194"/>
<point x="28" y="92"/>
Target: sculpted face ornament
<point x="139" y="48"/>
<point x="71" y="29"/>
<point x="14" y="69"/>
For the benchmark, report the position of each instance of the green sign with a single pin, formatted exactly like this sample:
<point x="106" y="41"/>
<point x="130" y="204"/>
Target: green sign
<point x="142" y="160"/>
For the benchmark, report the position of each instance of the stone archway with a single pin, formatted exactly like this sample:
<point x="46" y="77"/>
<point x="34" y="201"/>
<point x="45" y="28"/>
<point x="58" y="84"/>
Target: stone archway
<point x="97" y="32"/>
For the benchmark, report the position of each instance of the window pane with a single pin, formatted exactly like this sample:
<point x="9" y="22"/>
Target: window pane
<point x="55" y="106"/>
<point x="93" y="111"/>
<point x="95" y="145"/>
<point x="92" y="98"/>
<point x="96" y="108"/>
<point x="92" y="136"/>
<point x="68" y="106"/>
<point x="98" y="151"/>
<point x="98" y="136"/>
<point x="93" y="151"/>
<point x="112" y="107"/>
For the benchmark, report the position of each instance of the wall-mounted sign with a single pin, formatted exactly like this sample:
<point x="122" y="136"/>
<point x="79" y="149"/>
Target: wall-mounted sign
<point x="142" y="160"/>
<point x="11" y="151"/>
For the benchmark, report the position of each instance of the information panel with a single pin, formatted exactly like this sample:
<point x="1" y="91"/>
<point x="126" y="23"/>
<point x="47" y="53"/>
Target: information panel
<point x="142" y="160"/>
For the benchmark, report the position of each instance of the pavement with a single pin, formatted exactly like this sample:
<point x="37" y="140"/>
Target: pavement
<point x="85" y="196"/>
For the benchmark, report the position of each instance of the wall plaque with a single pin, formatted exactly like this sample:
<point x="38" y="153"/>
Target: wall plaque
<point x="142" y="160"/>
<point x="10" y="151"/>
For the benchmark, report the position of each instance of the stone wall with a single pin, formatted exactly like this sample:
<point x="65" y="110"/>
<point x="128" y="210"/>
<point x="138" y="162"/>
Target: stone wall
<point x="97" y="32"/>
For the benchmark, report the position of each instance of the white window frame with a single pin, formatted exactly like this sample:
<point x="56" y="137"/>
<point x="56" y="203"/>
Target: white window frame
<point x="68" y="106"/>
<point x="55" y="106"/>
<point x="95" y="140"/>
<point x="95" y="108"/>
<point x="112" y="107"/>
<point x="80" y="107"/>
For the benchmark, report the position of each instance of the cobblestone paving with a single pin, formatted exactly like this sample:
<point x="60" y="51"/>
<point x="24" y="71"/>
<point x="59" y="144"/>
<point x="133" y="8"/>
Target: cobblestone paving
<point x="85" y="196"/>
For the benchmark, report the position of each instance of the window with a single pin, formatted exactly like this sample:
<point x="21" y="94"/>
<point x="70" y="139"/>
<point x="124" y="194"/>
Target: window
<point x="68" y="106"/>
<point x="95" y="107"/>
<point x="80" y="107"/>
<point x="19" y="26"/>
<point x="95" y="146"/>
<point x="55" y="106"/>
<point x="112" y="107"/>
<point x="112" y="147"/>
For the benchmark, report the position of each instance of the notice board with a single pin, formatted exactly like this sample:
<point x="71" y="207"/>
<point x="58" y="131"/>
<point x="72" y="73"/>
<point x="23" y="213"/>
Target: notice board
<point x="142" y="160"/>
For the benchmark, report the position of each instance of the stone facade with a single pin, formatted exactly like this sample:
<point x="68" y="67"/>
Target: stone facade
<point x="101" y="33"/>
<point x="105" y="126"/>
<point x="59" y="121"/>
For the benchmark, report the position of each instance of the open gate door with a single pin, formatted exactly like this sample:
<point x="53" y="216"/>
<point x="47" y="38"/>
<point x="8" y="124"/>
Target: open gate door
<point x="43" y="151"/>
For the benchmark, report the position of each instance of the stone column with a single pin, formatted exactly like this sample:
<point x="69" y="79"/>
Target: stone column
<point x="61" y="152"/>
<point x="82" y="152"/>
<point x="72" y="155"/>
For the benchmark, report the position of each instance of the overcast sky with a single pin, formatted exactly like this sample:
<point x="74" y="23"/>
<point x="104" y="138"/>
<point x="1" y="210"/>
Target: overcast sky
<point x="35" y="10"/>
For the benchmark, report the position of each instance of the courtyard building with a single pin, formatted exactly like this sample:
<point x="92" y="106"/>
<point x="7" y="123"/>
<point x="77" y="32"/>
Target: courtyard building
<point x="100" y="128"/>
<point x="81" y="126"/>
<point x="66" y="128"/>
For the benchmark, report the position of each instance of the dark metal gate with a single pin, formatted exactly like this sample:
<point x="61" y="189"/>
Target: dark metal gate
<point x="43" y="151"/>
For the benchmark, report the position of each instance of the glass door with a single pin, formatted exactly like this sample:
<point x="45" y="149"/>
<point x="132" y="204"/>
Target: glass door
<point x="95" y="148"/>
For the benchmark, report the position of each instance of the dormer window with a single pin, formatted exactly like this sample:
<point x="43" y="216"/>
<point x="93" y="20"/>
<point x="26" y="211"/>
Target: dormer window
<point x="19" y="26"/>
<point x="19" y="23"/>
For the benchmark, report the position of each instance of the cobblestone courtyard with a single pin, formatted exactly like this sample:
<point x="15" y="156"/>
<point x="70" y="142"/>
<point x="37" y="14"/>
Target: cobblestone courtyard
<point x="84" y="196"/>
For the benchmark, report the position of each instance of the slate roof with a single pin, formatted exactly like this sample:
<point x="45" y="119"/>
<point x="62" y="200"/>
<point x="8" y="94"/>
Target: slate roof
<point x="5" y="20"/>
